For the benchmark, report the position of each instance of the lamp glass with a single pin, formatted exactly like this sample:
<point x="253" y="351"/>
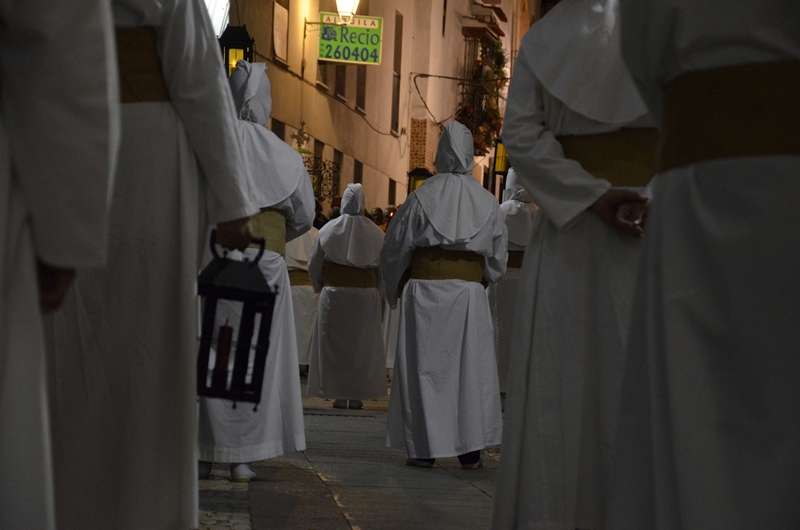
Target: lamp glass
<point x="347" y="9"/>
<point x="500" y="158"/>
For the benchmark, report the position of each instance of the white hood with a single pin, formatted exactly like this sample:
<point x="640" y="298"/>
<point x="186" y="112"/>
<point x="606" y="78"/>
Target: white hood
<point x="454" y="202"/>
<point x="275" y="168"/>
<point x="575" y="53"/>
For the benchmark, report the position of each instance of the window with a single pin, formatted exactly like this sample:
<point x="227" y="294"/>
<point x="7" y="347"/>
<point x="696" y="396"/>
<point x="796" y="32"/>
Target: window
<point x="340" y="82"/>
<point x="392" y="191"/>
<point x="361" y="86"/>
<point x="318" y="148"/>
<point x="358" y="172"/>
<point x="398" y="60"/>
<point x="280" y="30"/>
<point x="322" y="72"/>
<point x="279" y="129"/>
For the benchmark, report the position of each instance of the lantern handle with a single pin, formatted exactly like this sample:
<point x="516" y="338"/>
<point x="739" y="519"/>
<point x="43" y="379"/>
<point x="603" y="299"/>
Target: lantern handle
<point x="261" y="244"/>
<point x="260" y="240"/>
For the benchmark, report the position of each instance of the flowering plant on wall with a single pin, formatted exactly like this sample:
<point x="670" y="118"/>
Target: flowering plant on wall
<point x="479" y="109"/>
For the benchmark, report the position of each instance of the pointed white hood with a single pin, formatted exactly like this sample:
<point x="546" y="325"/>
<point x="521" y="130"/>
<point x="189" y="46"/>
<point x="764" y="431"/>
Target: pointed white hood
<point x="456" y="205"/>
<point x="575" y="53"/>
<point x="352" y="239"/>
<point x="275" y="168"/>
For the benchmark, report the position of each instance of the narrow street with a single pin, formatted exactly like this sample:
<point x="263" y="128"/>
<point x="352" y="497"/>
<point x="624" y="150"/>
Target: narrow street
<point x="347" y="479"/>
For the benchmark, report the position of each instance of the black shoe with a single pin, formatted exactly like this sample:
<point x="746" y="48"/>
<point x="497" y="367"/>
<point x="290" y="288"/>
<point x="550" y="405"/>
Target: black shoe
<point x="470" y="460"/>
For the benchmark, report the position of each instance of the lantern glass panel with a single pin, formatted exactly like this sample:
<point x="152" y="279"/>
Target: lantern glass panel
<point x="234" y="56"/>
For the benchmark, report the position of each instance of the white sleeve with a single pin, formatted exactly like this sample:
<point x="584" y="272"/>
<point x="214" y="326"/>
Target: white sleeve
<point x="60" y="104"/>
<point x="302" y="199"/>
<point x="495" y="265"/>
<point x="561" y="187"/>
<point x="199" y="91"/>
<point x="316" y="266"/>
<point x="398" y="249"/>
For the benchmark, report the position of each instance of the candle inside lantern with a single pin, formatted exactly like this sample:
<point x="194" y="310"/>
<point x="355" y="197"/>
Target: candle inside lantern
<point x="224" y="340"/>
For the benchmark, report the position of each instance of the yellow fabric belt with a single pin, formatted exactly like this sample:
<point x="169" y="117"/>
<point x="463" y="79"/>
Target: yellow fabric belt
<point x="271" y="225"/>
<point x="298" y="278"/>
<point x="436" y="263"/>
<point x="140" y="76"/>
<point x="515" y="258"/>
<point x="624" y="158"/>
<point x="343" y="276"/>
<point x="735" y="111"/>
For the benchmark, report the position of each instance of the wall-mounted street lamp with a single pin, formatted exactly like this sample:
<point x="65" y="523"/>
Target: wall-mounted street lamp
<point x="347" y="10"/>
<point x="236" y="45"/>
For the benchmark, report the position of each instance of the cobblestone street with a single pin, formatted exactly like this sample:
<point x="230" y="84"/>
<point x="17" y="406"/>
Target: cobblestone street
<point x="348" y="479"/>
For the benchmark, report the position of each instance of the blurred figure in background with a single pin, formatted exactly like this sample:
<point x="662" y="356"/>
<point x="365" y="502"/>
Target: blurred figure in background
<point x="304" y="300"/>
<point x="518" y="212"/>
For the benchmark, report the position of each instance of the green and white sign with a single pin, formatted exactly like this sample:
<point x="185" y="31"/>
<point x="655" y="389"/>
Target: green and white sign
<point x="358" y="42"/>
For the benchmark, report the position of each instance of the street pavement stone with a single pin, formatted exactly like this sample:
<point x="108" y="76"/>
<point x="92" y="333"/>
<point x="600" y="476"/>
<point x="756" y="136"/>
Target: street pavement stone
<point x="348" y="480"/>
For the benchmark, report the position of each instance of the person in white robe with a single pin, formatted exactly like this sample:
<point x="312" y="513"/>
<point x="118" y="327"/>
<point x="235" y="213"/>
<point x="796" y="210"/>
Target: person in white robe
<point x="124" y="343"/>
<point x="304" y="299"/>
<point x="347" y="353"/>
<point x="282" y="190"/>
<point x="583" y="144"/>
<point x="709" y="429"/>
<point x="445" y="399"/>
<point x="59" y="134"/>
<point x="518" y="212"/>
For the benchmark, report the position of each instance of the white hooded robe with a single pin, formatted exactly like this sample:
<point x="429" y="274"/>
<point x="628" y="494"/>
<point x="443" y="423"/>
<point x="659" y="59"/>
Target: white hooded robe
<point x="304" y="300"/>
<point x="709" y="429"/>
<point x="445" y="399"/>
<point x="279" y="181"/>
<point x="125" y="350"/>
<point x="347" y="352"/>
<point x="59" y="134"/>
<point x="577" y="280"/>
<point x="519" y="215"/>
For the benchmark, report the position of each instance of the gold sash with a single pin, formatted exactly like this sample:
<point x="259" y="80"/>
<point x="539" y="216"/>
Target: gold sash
<point x="624" y="158"/>
<point x="735" y="111"/>
<point x="436" y="263"/>
<point x="271" y="225"/>
<point x="298" y="278"/>
<point x="140" y="76"/>
<point x="343" y="276"/>
<point x="515" y="258"/>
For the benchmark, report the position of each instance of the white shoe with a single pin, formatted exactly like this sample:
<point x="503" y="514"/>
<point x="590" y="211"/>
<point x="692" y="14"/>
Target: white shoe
<point x="242" y="473"/>
<point x="203" y="470"/>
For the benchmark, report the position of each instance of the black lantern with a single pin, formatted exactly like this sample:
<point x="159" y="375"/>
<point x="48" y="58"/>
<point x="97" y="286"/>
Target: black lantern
<point x="416" y="177"/>
<point x="236" y="45"/>
<point x="236" y="295"/>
